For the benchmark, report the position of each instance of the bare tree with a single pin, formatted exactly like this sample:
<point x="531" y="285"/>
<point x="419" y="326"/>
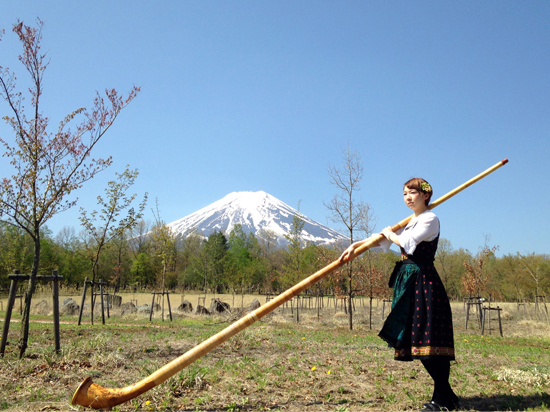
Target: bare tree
<point x="294" y="269"/>
<point x="536" y="268"/>
<point x="164" y="245"/>
<point x="267" y="240"/>
<point x="119" y="245"/>
<point x="345" y="209"/>
<point x="139" y="237"/>
<point x="49" y="166"/>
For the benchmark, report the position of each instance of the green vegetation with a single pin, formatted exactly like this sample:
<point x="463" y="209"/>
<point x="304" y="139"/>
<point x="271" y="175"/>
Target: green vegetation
<point x="243" y="263"/>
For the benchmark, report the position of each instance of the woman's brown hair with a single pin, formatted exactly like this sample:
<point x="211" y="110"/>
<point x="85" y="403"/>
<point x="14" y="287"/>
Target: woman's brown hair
<point x="421" y="185"/>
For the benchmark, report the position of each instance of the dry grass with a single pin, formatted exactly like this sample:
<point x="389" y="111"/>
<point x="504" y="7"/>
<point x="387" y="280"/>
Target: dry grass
<point x="277" y="364"/>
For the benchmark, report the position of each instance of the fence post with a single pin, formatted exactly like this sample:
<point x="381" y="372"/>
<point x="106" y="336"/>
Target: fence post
<point x="7" y="319"/>
<point x="319" y="302"/>
<point x="297" y="309"/>
<point x="102" y="303"/>
<point x="152" y="306"/>
<point x="83" y="300"/>
<point x="55" y="298"/>
<point x="169" y="307"/>
<point x="499" y="322"/>
<point x="109" y="299"/>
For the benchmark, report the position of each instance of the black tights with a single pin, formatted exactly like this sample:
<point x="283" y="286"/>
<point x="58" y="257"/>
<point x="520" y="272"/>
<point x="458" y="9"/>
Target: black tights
<point x="439" y="370"/>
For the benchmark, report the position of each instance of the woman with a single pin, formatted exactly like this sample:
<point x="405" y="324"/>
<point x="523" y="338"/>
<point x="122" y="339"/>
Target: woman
<point x="420" y="323"/>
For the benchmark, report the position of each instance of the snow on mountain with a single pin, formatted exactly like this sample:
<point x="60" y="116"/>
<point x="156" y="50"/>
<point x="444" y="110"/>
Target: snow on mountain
<point x="255" y="211"/>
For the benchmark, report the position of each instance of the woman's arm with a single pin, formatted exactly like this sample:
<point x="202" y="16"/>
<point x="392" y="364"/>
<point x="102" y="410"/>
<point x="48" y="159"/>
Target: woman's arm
<point x="426" y="227"/>
<point x="390" y="235"/>
<point x="347" y="253"/>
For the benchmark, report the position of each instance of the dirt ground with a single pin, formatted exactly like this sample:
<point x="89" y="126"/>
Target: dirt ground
<point x="277" y="364"/>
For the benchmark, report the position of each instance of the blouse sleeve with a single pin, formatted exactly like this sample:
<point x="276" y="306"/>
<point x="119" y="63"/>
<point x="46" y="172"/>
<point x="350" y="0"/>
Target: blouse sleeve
<point x="424" y="228"/>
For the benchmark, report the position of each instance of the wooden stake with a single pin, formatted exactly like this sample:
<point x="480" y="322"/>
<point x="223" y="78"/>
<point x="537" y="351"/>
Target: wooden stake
<point x="7" y="319"/>
<point x="55" y="299"/>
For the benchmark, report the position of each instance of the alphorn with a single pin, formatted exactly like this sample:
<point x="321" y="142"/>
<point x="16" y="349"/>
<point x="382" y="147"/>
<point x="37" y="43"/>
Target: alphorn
<point x="95" y="396"/>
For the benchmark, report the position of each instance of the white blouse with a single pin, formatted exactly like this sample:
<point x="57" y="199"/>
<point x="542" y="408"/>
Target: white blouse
<point x="424" y="227"/>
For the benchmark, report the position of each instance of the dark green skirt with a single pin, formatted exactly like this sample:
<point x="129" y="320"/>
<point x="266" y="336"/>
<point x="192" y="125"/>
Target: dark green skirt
<point x="396" y="329"/>
<point x="420" y="323"/>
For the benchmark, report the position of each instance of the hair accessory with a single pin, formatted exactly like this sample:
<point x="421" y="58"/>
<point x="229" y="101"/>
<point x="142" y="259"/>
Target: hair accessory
<point x="425" y="187"/>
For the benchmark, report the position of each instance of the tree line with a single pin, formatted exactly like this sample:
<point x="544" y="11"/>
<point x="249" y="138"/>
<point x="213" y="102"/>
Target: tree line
<point x="149" y="256"/>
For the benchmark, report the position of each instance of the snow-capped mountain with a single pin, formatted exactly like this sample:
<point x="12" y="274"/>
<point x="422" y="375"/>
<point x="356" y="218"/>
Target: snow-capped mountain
<point x="257" y="212"/>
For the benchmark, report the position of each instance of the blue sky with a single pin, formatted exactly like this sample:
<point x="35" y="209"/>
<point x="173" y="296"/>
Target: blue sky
<point x="259" y="95"/>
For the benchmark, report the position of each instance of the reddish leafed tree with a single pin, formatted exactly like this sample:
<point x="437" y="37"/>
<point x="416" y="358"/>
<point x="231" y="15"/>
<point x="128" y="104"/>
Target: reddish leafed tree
<point x="476" y="278"/>
<point x="372" y="282"/>
<point x="48" y="165"/>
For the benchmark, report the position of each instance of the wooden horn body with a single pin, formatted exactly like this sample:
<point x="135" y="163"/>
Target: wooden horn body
<point x="95" y="396"/>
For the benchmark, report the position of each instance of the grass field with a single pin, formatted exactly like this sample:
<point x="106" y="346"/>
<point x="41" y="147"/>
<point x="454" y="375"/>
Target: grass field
<point x="276" y="364"/>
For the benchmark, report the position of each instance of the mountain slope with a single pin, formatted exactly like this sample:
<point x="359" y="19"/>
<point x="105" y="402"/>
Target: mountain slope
<point x="256" y="212"/>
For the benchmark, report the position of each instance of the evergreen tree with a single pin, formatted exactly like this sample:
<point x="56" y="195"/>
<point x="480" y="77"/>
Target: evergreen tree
<point x="142" y="271"/>
<point x="214" y="258"/>
<point x="294" y="269"/>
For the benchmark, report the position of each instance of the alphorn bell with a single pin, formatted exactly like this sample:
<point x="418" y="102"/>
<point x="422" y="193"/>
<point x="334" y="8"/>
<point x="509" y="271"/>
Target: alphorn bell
<point x="95" y="396"/>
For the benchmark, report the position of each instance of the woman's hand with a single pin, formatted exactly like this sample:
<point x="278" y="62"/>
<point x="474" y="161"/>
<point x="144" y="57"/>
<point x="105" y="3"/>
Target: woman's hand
<point x="386" y="232"/>
<point x="349" y="251"/>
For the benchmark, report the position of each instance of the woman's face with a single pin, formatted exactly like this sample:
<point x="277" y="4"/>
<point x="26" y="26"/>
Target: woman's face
<point x="414" y="199"/>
